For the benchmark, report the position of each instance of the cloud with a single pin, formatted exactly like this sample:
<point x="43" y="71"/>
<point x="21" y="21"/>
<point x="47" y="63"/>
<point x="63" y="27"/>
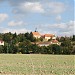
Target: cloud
<point x="33" y="7"/>
<point x="3" y="17"/>
<point x="69" y="26"/>
<point x="55" y="8"/>
<point x="21" y="9"/>
<point x="6" y="30"/>
<point x="37" y="6"/>
<point x="16" y="23"/>
<point x="29" y="7"/>
<point x="61" y="29"/>
<point x="58" y="18"/>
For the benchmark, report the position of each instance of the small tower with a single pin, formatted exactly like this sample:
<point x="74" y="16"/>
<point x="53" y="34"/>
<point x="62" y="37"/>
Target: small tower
<point x="36" y="30"/>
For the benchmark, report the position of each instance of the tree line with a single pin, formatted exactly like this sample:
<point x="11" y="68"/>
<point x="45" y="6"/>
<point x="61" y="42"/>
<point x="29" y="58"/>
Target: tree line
<point x="22" y="43"/>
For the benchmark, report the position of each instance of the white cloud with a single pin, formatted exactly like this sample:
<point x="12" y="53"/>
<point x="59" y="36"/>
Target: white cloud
<point x="35" y="7"/>
<point x="16" y="23"/>
<point x="57" y="7"/>
<point x="3" y="17"/>
<point x="58" y="18"/>
<point x="59" y="29"/>
<point x="39" y="7"/>
<point x="28" y="7"/>
<point x="53" y="26"/>
<point x="6" y="30"/>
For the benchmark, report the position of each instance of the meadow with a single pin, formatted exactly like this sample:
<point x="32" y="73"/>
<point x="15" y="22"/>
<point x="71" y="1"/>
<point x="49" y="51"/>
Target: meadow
<point x="37" y="64"/>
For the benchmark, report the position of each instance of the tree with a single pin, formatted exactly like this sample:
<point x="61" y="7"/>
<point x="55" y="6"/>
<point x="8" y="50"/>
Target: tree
<point x="27" y="35"/>
<point x="73" y="50"/>
<point x="7" y="37"/>
<point x="62" y="39"/>
<point x="1" y="49"/>
<point x="57" y="38"/>
<point x="73" y="38"/>
<point x="23" y="43"/>
<point x="24" y="46"/>
<point x="31" y="38"/>
<point x="1" y="36"/>
<point x="35" y="48"/>
<point x="21" y="37"/>
<point x="50" y="49"/>
<point x="41" y="39"/>
<point x="14" y="35"/>
<point x="66" y="43"/>
<point x="15" y="49"/>
<point x="56" y="49"/>
<point x="65" y="50"/>
<point x="43" y="50"/>
<point x="46" y="50"/>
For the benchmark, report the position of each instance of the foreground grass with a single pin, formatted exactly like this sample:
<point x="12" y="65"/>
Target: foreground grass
<point x="37" y="64"/>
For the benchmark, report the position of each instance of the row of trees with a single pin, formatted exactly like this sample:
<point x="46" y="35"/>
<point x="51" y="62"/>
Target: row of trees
<point x="22" y="43"/>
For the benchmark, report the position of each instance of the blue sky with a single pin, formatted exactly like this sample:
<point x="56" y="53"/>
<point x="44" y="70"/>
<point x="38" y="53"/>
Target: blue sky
<point x="48" y="16"/>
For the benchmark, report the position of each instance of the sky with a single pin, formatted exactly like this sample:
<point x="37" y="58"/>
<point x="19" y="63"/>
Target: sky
<point x="48" y="16"/>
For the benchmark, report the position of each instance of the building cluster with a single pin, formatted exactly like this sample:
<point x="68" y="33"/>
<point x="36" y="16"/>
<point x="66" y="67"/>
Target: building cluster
<point x="48" y="39"/>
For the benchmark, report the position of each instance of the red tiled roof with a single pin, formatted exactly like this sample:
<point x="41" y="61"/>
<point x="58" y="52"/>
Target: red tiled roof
<point x="35" y="33"/>
<point x="48" y="35"/>
<point x="1" y="41"/>
<point x="44" y="43"/>
<point x="54" y="41"/>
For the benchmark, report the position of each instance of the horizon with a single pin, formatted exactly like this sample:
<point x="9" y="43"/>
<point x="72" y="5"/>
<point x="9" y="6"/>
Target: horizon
<point x="54" y="16"/>
<point x="40" y="33"/>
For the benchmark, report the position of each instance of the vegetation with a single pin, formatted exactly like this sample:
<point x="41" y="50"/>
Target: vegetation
<point x="22" y="43"/>
<point x="36" y="64"/>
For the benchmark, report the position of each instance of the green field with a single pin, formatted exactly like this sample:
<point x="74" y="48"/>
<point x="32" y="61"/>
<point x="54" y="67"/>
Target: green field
<point x="37" y="64"/>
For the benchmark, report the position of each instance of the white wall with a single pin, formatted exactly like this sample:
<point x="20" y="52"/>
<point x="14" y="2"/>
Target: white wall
<point x="2" y="43"/>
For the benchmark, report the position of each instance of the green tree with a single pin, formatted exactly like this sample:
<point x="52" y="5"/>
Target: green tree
<point x="27" y="35"/>
<point x="14" y="35"/>
<point x="73" y="38"/>
<point x="73" y="50"/>
<point x="1" y="49"/>
<point x="31" y="38"/>
<point x="65" y="50"/>
<point x="7" y="37"/>
<point x="1" y="36"/>
<point x="66" y="43"/>
<point x="15" y="49"/>
<point x="21" y="37"/>
<point x="62" y="39"/>
<point x="35" y="48"/>
<point x="24" y="46"/>
<point x="56" y="49"/>
<point x="44" y="50"/>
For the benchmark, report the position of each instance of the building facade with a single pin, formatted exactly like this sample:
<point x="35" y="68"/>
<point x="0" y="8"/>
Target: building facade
<point x="49" y="36"/>
<point x="1" y="42"/>
<point x="36" y="34"/>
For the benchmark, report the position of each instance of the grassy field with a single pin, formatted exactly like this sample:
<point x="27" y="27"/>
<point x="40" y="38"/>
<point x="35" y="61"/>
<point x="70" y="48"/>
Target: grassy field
<point x="37" y="64"/>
